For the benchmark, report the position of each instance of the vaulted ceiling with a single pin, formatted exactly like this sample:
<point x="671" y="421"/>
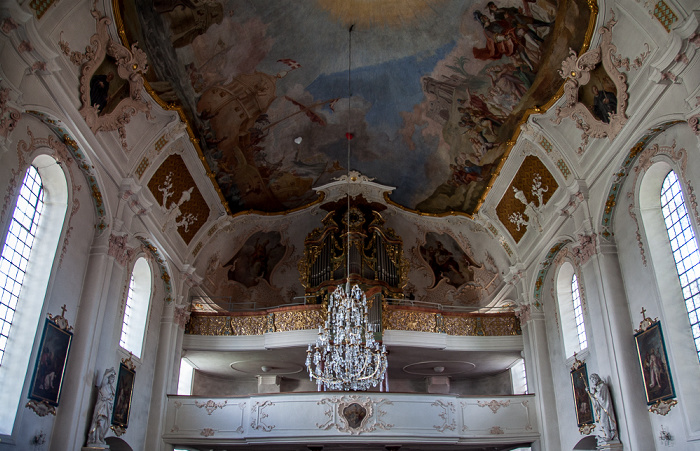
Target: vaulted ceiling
<point x="430" y="92"/>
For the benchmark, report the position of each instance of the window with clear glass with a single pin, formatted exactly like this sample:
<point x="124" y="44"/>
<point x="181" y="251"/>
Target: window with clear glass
<point x="571" y="312"/>
<point x="578" y="313"/>
<point x="684" y="248"/>
<point x="17" y="249"/>
<point x="138" y="300"/>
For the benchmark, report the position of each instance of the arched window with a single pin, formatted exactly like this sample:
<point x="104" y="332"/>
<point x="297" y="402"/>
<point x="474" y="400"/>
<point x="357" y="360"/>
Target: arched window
<point x="26" y="262"/>
<point x="685" y="249"/>
<point x="571" y="310"/>
<point x="17" y="250"/>
<point x="138" y="301"/>
<point x="578" y="313"/>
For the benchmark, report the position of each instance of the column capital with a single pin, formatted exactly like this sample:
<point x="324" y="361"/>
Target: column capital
<point x="587" y="248"/>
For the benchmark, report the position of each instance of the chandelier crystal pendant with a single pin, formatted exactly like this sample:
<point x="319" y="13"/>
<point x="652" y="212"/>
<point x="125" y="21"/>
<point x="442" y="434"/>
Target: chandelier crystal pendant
<point x="346" y="355"/>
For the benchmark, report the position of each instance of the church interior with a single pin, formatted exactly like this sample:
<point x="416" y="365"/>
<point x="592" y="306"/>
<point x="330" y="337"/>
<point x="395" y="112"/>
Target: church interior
<point x="346" y="225"/>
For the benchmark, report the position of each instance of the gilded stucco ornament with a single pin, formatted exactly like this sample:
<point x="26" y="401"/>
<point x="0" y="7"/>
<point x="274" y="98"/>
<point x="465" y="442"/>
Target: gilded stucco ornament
<point x="609" y="108"/>
<point x="354" y="414"/>
<point x="101" y="59"/>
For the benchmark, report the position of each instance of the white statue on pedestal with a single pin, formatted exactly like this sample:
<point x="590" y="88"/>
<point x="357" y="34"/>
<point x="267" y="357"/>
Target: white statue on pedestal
<point x="102" y="414"/>
<point x="604" y="411"/>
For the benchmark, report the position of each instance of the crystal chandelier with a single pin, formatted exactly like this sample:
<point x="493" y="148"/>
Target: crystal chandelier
<point x="346" y="356"/>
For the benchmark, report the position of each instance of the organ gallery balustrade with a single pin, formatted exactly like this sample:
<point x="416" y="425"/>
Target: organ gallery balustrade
<point x="394" y="317"/>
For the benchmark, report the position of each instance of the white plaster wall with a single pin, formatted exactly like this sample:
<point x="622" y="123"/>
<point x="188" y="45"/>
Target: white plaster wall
<point x="662" y="297"/>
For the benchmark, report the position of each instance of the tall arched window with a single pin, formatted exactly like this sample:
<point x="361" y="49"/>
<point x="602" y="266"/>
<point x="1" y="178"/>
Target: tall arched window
<point x="17" y="250"/>
<point x="571" y="310"/>
<point x="26" y="262"/>
<point x="685" y="249"/>
<point x="578" y="313"/>
<point x="138" y="301"/>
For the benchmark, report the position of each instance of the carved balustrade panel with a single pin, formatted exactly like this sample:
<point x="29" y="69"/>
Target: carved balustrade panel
<point x="360" y="418"/>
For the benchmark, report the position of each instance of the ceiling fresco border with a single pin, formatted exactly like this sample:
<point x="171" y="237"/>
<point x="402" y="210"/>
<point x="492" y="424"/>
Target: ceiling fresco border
<point x="510" y="143"/>
<point x="606" y="222"/>
<point x="544" y="269"/>
<point x="83" y="162"/>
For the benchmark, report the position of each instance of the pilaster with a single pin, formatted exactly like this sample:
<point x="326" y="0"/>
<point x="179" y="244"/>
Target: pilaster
<point x="611" y="335"/>
<point x="539" y="379"/>
<point x="72" y="416"/>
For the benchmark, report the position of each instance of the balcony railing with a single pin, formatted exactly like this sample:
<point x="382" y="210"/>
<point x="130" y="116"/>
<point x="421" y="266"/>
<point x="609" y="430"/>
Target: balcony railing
<point x="207" y="320"/>
<point x="351" y="417"/>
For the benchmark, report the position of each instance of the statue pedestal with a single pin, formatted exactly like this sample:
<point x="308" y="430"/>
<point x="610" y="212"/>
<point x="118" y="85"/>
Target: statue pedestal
<point x="610" y="446"/>
<point x="94" y="447"/>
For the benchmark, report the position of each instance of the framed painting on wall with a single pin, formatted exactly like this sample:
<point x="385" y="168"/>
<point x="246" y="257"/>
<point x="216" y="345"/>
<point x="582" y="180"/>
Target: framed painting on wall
<point x="653" y="361"/>
<point x="579" y="382"/>
<point x="50" y="363"/>
<point x="122" y="397"/>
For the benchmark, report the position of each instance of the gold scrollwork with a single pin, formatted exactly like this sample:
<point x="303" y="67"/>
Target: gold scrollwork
<point x="249" y="325"/>
<point x="456" y="325"/>
<point x="298" y="320"/>
<point x="472" y="325"/>
<point x="209" y="325"/>
<point x="410" y="320"/>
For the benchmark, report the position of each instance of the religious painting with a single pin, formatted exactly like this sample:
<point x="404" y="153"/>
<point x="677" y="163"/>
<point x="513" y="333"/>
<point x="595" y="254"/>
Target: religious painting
<point x="354" y="414"/>
<point x="579" y="382"/>
<point x="122" y="396"/>
<point x="256" y="259"/>
<point x="599" y="95"/>
<point x="447" y="260"/>
<point x="107" y="89"/>
<point x="653" y="361"/>
<point x="271" y="107"/>
<point x="595" y="91"/>
<point x="111" y="80"/>
<point x="50" y="364"/>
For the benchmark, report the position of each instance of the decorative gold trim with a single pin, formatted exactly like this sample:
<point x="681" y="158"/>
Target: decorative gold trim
<point x="577" y="363"/>
<point x="662" y="407"/>
<point x="41" y="408"/>
<point x="645" y="323"/>
<point x="60" y="320"/>
<point x="129" y="363"/>
<point x="586" y="429"/>
<point x="118" y="430"/>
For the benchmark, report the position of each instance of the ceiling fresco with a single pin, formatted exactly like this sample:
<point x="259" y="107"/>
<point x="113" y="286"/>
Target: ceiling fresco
<point x="438" y="89"/>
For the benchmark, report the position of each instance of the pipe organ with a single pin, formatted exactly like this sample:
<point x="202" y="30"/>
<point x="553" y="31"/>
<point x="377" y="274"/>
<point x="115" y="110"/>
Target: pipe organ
<point x="353" y="241"/>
